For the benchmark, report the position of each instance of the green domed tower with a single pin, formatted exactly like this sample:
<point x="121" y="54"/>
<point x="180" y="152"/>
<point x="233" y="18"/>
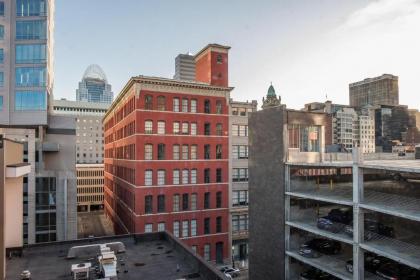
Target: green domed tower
<point x="271" y="99"/>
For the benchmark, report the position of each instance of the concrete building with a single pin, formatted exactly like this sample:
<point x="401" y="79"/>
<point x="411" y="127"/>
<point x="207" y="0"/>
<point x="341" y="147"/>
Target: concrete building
<point x="89" y="130"/>
<point x="12" y="170"/>
<point x="140" y="256"/>
<point x="26" y="60"/>
<point x="49" y="190"/>
<point x="94" y="86"/>
<point x="167" y="156"/>
<point x="90" y="187"/>
<point x="238" y="165"/>
<point x="185" y="67"/>
<point x="382" y="90"/>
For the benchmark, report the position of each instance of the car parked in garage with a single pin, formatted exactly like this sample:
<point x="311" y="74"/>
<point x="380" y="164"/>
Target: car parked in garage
<point x="317" y="246"/>
<point x="336" y="220"/>
<point x="372" y="229"/>
<point x="316" y="274"/>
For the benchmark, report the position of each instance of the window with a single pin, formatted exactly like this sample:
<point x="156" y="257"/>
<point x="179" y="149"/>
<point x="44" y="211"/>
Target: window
<point x="218" y="107"/>
<point x="175" y="203"/>
<point x="243" y="130"/>
<point x="193" y="106"/>
<point x="33" y="53"/>
<point x="161" y="226"/>
<point x="161" y="106"/>
<point x="1" y="79"/>
<point x="175" y="152"/>
<point x="1" y="102"/>
<point x="207" y="151"/>
<point x="193" y="152"/>
<point x="218" y="151"/>
<point x="148" y="102"/>
<point x="184" y="105"/>
<point x="1" y="8"/>
<point x="30" y="101"/>
<point x="31" y="30"/>
<point x="193" y="129"/>
<point x="243" y="152"/>
<point x="235" y="130"/>
<point x="148" y="127"/>
<point x="193" y="176"/>
<point x="148" y="204"/>
<point x="207" y="129"/>
<point x="1" y="28"/>
<point x="193" y="202"/>
<point x="176" y="128"/>
<point x="219" y="200"/>
<point x="219" y="129"/>
<point x="161" y="151"/>
<point x="304" y="137"/>
<point x="185" y="128"/>
<point x="207" y="226"/>
<point x="184" y="228"/>
<point x="219" y="224"/>
<point x="194" y="248"/>
<point x="25" y="8"/>
<point x="239" y="198"/>
<point x="161" y="203"/>
<point x="1" y="55"/>
<point x="31" y="76"/>
<point x="207" y="200"/>
<point x="161" y="177"/>
<point x="207" y="252"/>
<point x="148" y="152"/>
<point x="176" y="104"/>
<point x="176" y="229"/>
<point x="148" y="177"/>
<point x="239" y="223"/>
<point x="148" y="228"/>
<point x="207" y="175"/>
<point x="175" y="177"/>
<point x="185" y="202"/>
<point x="193" y="227"/>
<point x="207" y="106"/>
<point x="185" y="152"/>
<point x="240" y="174"/>
<point x="161" y="127"/>
<point x="185" y="176"/>
<point x="218" y="175"/>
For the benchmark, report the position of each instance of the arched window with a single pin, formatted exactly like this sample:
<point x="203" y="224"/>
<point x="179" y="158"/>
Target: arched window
<point x="218" y="107"/>
<point x="207" y="106"/>
<point x="161" y="103"/>
<point x="148" y="102"/>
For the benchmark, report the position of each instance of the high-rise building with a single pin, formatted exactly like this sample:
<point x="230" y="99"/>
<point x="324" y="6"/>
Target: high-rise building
<point x="26" y="72"/>
<point x="185" y="67"/>
<point x="94" y="86"/>
<point x="382" y="90"/>
<point x="26" y="60"/>
<point x="238" y="138"/>
<point x="90" y="187"/>
<point x="167" y="156"/>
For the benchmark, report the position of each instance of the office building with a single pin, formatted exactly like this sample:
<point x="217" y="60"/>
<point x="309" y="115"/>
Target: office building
<point x="185" y="67"/>
<point x="167" y="156"/>
<point x="131" y="257"/>
<point x="49" y="190"/>
<point x="94" y="86"/>
<point x="382" y="90"/>
<point x="90" y="187"/>
<point x="12" y="170"/>
<point x="89" y="131"/>
<point x="238" y="138"/>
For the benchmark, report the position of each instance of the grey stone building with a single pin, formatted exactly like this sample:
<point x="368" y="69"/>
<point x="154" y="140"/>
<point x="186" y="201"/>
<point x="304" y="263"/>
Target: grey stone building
<point x="382" y="90"/>
<point x="239" y="114"/>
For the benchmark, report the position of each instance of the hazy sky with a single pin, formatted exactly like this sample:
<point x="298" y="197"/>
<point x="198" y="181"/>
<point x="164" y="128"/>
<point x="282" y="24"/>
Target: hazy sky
<point x="307" y="48"/>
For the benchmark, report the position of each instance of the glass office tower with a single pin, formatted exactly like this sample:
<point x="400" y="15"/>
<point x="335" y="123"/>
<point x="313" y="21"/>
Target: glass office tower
<point x="94" y="86"/>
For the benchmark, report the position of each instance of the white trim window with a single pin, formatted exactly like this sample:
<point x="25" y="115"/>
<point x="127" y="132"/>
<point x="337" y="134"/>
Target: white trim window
<point x="161" y="226"/>
<point x="193" y="176"/>
<point x="193" y="127"/>
<point x="148" y="228"/>
<point x="193" y="152"/>
<point x="175" y="128"/>
<point x="175" y="177"/>
<point x="176" y="104"/>
<point x="148" y="177"/>
<point x="148" y="152"/>
<point x="193" y="201"/>
<point x="161" y="127"/>
<point x="185" y="152"/>
<point x="193" y="106"/>
<point x="185" y="228"/>
<point x="175" y="152"/>
<point x="207" y="252"/>
<point x="185" y="176"/>
<point x="185" y="129"/>
<point x="176" y="228"/>
<point x="161" y="177"/>
<point x="193" y="227"/>
<point x="148" y="127"/>
<point x="184" y="105"/>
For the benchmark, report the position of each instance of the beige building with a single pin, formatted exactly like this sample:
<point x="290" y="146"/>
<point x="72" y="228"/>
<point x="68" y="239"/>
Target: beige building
<point x="12" y="170"/>
<point x="90" y="187"/>
<point x="239" y="112"/>
<point x="89" y="131"/>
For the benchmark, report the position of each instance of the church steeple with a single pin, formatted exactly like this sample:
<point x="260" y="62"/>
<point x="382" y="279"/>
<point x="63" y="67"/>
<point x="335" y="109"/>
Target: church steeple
<point x="271" y="99"/>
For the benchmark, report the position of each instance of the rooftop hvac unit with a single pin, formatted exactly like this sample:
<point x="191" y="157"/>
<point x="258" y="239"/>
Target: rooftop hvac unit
<point x="80" y="271"/>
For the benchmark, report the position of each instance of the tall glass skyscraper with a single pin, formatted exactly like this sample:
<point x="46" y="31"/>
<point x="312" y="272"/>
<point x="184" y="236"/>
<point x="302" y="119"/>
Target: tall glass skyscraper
<point x="94" y="86"/>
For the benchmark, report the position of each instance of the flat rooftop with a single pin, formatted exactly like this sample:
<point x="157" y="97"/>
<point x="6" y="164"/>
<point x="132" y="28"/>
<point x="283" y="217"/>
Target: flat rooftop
<point x="146" y="256"/>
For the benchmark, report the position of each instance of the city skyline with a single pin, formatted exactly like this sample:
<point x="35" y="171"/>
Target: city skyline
<point x="321" y="55"/>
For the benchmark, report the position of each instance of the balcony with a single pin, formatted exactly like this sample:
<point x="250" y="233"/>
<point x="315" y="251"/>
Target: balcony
<point x="17" y="170"/>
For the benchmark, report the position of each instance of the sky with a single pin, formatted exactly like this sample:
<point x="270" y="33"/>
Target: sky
<point x="309" y="49"/>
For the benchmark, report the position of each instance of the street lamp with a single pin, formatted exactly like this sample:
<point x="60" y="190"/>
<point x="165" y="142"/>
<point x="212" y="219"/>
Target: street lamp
<point x="233" y="256"/>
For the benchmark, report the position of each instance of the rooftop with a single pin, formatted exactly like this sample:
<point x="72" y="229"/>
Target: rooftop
<point x="146" y="256"/>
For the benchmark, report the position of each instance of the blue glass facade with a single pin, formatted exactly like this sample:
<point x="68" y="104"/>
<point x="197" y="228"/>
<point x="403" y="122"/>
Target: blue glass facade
<point x="1" y="103"/>
<point x="31" y="76"/>
<point x="33" y="53"/>
<point x="31" y="30"/>
<point x="1" y="79"/>
<point x="1" y="56"/>
<point x="1" y="32"/>
<point x="95" y="90"/>
<point x="30" y="101"/>
<point x="28" y="8"/>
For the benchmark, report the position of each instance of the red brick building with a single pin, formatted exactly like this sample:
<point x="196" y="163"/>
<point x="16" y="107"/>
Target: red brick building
<point x="167" y="156"/>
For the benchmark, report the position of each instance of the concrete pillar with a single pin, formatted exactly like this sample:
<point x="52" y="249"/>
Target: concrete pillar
<point x="358" y="216"/>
